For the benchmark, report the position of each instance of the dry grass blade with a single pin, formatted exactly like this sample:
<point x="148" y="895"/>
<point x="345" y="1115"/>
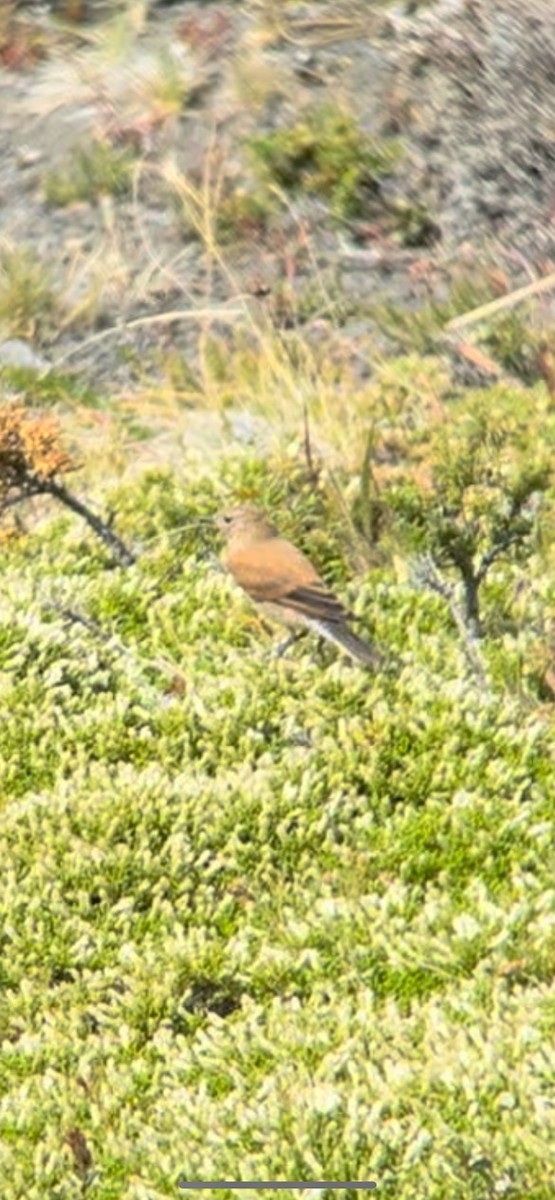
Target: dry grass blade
<point x="179" y="314"/>
<point x="484" y="311"/>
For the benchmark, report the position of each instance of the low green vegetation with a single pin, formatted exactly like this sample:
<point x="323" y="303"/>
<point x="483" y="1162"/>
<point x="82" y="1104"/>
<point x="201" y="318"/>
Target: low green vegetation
<point x="482" y="496"/>
<point x="243" y="213"/>
<point x="515" y="343"/>
<point x="327" y="154"/>
<point x="513" y="340"/>
<point x="48" y="388"/>
<point x="282" y="918"/>
<point x="29" y="301"/>
<point x="89" y="172"/>
<point x="418" y="329"/>
<point x="168" y="89"/>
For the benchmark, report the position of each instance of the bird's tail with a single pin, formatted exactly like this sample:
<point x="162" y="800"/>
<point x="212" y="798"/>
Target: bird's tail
<point x="355" y="646"/>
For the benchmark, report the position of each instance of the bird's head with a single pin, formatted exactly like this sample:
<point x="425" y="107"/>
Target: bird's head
<point x="245" y="523"/>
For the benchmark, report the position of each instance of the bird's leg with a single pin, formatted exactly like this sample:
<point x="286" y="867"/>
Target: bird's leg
<point x="285" y="645"/>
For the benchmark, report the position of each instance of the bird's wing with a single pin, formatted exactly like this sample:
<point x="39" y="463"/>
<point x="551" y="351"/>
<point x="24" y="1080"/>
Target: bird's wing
<point x="317" y="602"/>
<point x="276" y="572"/>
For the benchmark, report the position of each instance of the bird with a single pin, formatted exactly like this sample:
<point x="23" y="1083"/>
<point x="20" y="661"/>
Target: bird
<point x="282" y="580"/>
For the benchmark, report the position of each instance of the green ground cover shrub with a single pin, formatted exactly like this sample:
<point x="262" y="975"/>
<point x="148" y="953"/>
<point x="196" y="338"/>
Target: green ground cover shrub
<point x="259" y="918"/>
<point x="326" y="153"/>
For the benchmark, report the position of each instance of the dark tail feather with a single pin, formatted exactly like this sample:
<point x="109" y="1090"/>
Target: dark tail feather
<point x="363" y="651"/>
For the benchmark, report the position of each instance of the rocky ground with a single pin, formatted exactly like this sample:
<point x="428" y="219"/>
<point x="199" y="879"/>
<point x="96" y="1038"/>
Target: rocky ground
<point x="466" y="87"/>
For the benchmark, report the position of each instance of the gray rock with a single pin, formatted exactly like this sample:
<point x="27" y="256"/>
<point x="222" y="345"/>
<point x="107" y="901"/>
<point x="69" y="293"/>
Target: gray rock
<point x="15" y="353"/>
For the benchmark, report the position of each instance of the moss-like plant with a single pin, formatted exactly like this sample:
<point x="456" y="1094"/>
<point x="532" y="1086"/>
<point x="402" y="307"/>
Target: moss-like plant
<point x="271" y="920"/>
<point x="327" y="153"/>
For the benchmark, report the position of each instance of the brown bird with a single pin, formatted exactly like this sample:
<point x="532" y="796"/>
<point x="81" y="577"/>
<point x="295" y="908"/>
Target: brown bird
<point x="283" y="581"/>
